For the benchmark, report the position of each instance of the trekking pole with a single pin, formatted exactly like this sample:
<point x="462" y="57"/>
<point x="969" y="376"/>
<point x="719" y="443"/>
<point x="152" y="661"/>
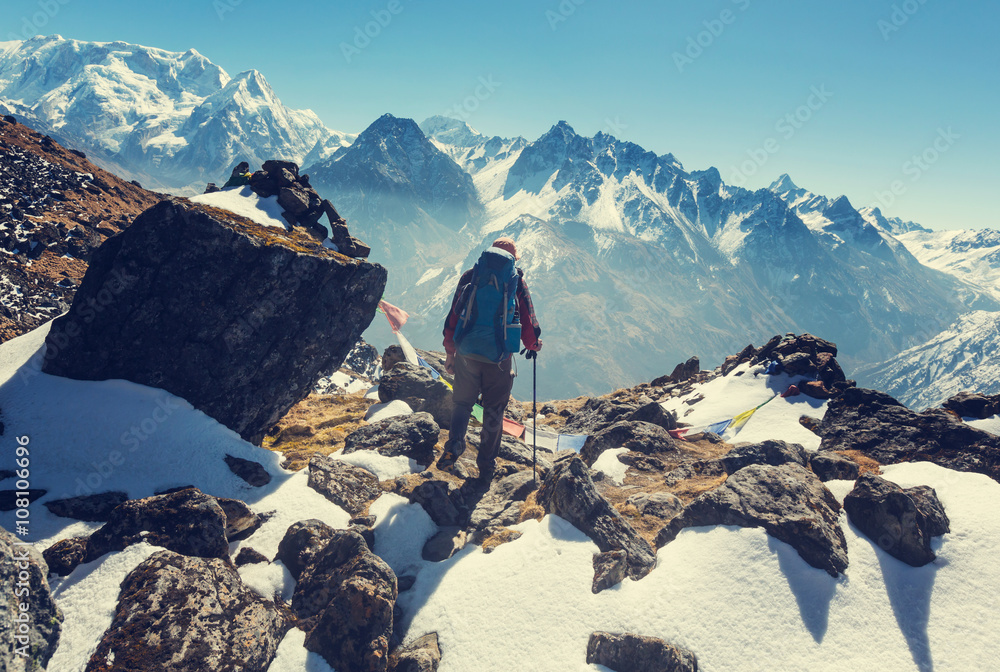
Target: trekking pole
<point x="534" y="415"/>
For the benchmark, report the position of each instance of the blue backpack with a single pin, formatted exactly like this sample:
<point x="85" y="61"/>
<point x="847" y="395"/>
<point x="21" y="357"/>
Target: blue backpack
<point x="488" y="326"/>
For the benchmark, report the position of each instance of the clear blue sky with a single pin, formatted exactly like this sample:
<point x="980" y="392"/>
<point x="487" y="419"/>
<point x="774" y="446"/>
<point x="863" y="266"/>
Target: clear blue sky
<point x="928" y="74"/>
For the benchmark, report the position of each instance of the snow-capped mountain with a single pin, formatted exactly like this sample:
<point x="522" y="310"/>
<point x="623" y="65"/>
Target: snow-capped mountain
<point x="172" y="120"/>
<point x="622" y="247"/>
<point x="961" y="358"/>
<point x="972" y="255"/>
<point x="398" y="190"/>
<point x="475" y="152"/>
<point x="891" y="225"/>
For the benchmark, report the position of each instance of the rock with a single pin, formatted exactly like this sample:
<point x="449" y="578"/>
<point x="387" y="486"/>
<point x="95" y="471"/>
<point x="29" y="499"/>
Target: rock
<point x="767" y="452"/>
<point x="436" y="500"/>
<point x="182" y="613"/>
<point x="788" y="501"/>
<point x="40" y="634"/>
<point x="211" y="188"/>
<point x="830" y="466"/>
<point x="804" y="343"/>
<point x="634" y="653"/>
<point x="405" y="582"/>
<point x="187" y="522"/>
<point x="569" y="492"/>
<point x="659" y="504"/>
<point x="900" y="521"/>
<point x="349" y="487"/>
<point x="878" y="426"/>
<point x="392" y="356"/>
<point x="347" y="595"/>
<point x="365" y="521"/>
<point x="815" y="389"/>
<point x="252" y="472"/>
<point x="513" y="449"/>
<point x="241" y="522"/>
<point x="249" y="556"/>
<point x="93" y="508"/>
<point x="293" y="200"/>
<point x="412" y="435"/>
<point x="681" y="373"/>
<point x="65" y="555"/>
<point x="301" y="543"/>
<point x="828" y="370"/>
<point x="799" y="364"/>
<point x="363" y="359"/>
<point x="655" y="414"/>
<point x="416" y="386"/>
<point x="501" y="505"/>
<point x="275" y="310"/>
<point x="973" y="405"/>
<point x="421" y="655"/>
<point x="637" y="436"/>
<point x="446" y="543"/>
<point x="610" y="569"/>
<point x="596" y="414"/>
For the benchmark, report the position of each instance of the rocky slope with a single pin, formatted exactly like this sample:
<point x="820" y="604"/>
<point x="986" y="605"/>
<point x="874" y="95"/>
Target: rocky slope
<point x="346" y="593"/>
<point x="56" y="209"/>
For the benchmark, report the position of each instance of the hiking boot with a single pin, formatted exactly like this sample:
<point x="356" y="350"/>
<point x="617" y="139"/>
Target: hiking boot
<point x="450" y="456"/>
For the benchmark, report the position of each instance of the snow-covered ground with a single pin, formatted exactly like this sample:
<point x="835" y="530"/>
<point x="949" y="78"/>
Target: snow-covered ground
<point x="736" y="597"/>
<point x="245" y="202"/>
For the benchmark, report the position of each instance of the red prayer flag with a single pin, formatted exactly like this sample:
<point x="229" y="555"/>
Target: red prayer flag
<point x="512" y="428"/>
<point x="397" y="316"/>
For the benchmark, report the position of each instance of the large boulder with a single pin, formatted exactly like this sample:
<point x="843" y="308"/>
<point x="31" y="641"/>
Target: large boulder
<point x="239" y="319"/>
<point x="830" y="466"/>
<point x="419" y="389"/>
<point x="635" y="435"/>
<point x="974" y="405"/>
<point x="345" y="597"/>
<point x="901" y="521"/>
<point x="301" y="543"/>
<point x="188" y="614"/>
<point x="187" y="522"/>
<point x="413" y="435"/>
<point x="569" y="492"/>
<point x="349" y="487"/>
<point x="770" y="451"/>
<point x="28" y="638"/>
<point x="598" y="413"/>
<point x="93" y="508"/>
<point x="439" y="503"/>
<point x="876" y="425"/>
<point x="501" y="505"/>
<point x="654" y="413"/>
<point x="788" y="501"/>
<point x="635" y="653"/>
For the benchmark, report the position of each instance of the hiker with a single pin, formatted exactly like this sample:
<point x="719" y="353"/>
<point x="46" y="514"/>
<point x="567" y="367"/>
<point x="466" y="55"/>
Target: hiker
<point x="491" y="315"/>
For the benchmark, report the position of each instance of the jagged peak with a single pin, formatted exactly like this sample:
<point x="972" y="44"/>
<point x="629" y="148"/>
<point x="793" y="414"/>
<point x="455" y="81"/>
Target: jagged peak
<point x="841" y="205"/>
<point x="783" y="184"/>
